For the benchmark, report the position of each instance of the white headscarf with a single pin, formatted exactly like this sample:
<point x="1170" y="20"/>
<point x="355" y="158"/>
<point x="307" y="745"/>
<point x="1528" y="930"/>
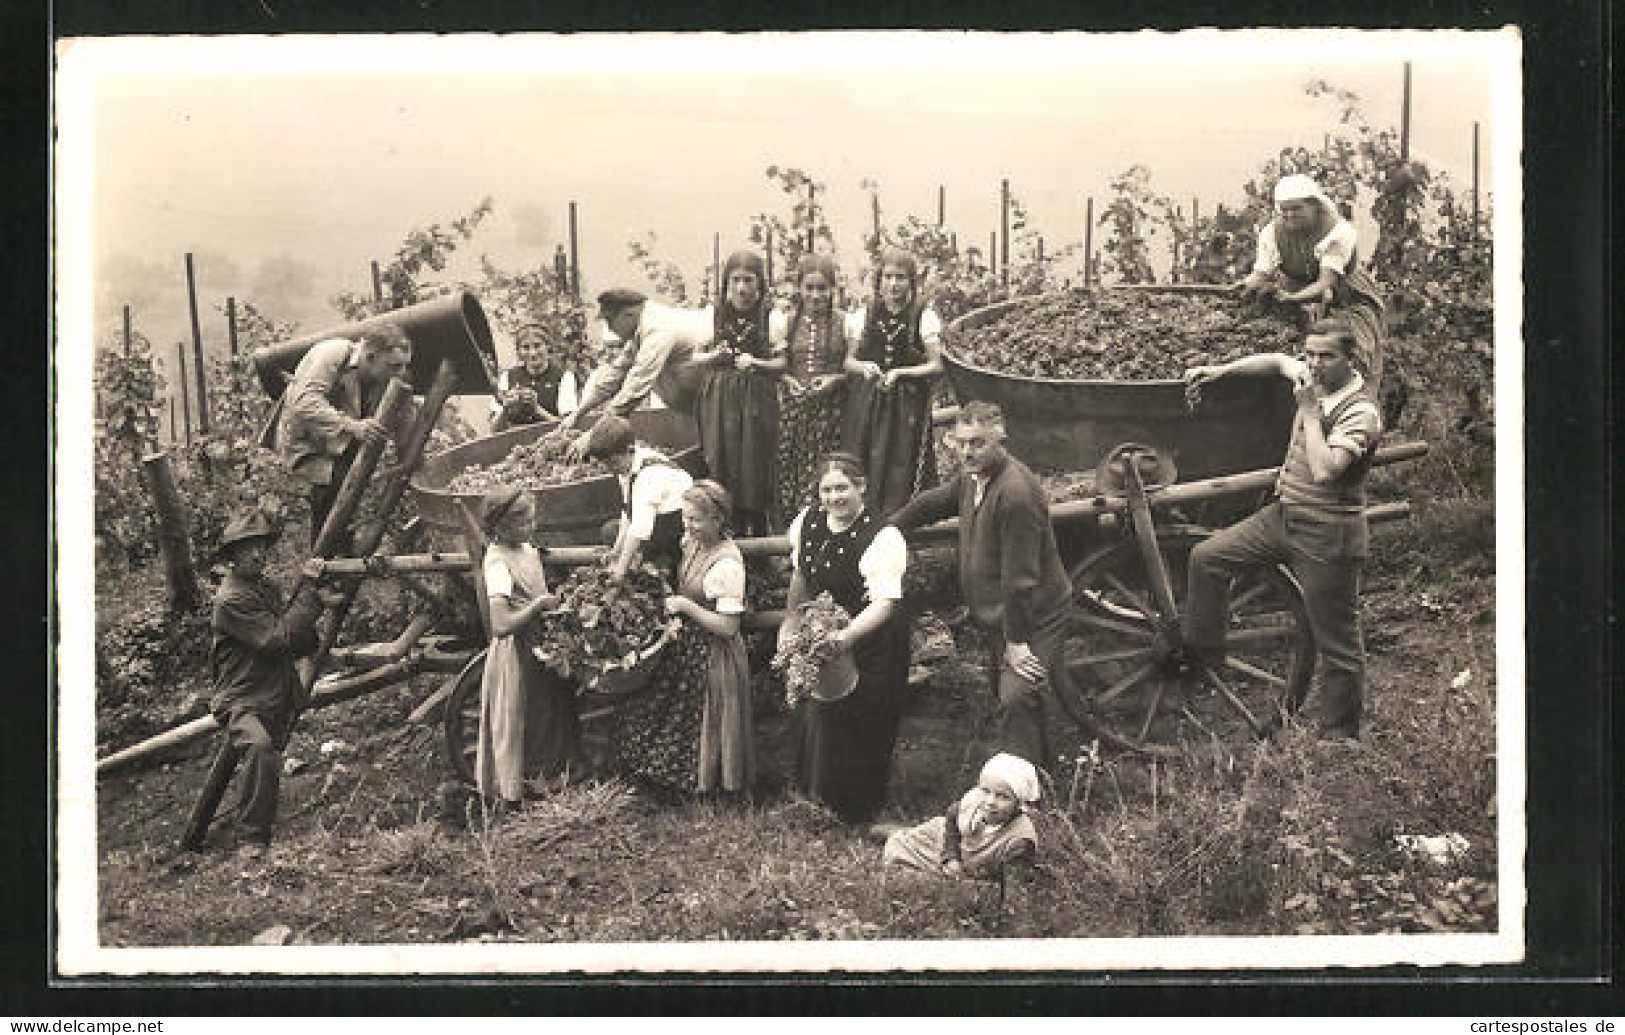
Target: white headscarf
<point x="1016" y="774"/>
<point x="1298" y="187"/>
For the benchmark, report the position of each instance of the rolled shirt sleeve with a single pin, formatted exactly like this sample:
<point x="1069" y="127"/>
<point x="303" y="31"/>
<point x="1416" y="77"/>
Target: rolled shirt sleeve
<point x="498" y="579"/>
<point x="1336" y="250"/>
<point x="1267" y="256"/>
<point x="724" y="583"/>
<point x="930" y="325"/>
<point x="883" y="563"/>
<point x="1357" y="429"/>
<point x="656" y="489"/>
<point x="794" y="535"/>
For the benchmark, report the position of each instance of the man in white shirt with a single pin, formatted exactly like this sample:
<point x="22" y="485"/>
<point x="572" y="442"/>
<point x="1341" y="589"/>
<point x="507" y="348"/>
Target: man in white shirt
<point x="661" y="339"/>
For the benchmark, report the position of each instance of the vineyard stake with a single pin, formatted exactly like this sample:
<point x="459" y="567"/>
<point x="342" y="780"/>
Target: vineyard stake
<point x="812" y="214"/>
<point x="874" y="211"/>
<point x="173" y="435"/>
<point x="716" y="266"/>
<point x="179" y="574"/>
<point x="127" y="308"/>
<point x="231" y="323"/>
<point x="1475" y="192"/>
<point x="993" y="252"/>
<point x="942" y="205"/>
<point x="1088" y="242"/>
<point x="1405" y="118"/>
<point x="1004" y="229"/>
<point x="197" y="349"/>
<point x="1173" y="271"/>
<point x="186" y="401"/>
<point x="575" y="257"/>
<point x="770" y="258"/>
<point x="377" y="289"/>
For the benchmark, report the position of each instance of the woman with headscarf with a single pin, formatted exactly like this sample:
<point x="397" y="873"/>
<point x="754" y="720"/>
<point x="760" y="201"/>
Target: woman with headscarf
<point x="737" y="405"/>
<point x="1309" y="254"/>
<point x="690" y="730"/>
<point x="840" y="547"/>
<point x="894" y="352"/>
<point x="812" y="395"/>
<point x="527" y="714"/>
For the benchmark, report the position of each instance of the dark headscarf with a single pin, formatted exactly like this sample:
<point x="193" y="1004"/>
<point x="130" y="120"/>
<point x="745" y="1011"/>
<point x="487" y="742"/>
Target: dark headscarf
<point x="743" y="330"/>
<point x="495" y="507"/>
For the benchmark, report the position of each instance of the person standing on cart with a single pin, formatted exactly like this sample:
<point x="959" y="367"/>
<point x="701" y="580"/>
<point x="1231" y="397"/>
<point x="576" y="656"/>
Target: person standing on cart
<point x="1010" y="573"/>
<point x="327" y="409"/>
<point x="651" y="523"/>
<point x="1309" y="254"/>
<point x="254" y="641"/>
<point x="1316" y="525"/>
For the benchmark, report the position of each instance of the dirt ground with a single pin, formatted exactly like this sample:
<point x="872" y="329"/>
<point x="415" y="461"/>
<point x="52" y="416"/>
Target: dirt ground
<point x="363" y="855"/>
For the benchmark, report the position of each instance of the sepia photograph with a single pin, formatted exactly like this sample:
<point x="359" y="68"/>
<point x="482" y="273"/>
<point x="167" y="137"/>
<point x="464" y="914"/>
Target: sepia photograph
<point x="788" y="502"/>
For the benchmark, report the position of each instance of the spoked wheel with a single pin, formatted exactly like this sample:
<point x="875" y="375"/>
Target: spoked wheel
<point x="461" y="726"/>
<point x="1130" y="678"/>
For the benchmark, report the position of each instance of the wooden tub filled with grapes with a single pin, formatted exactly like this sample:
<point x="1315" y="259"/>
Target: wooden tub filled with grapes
<point x="1140" y="470"/>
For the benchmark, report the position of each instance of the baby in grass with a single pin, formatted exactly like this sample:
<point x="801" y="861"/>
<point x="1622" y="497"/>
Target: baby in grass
<point x="985" y="830"/>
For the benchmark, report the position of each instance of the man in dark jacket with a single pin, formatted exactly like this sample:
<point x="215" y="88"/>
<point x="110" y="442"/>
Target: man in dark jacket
<point x="1010" y="571"/>
<point x="251" y="662"/>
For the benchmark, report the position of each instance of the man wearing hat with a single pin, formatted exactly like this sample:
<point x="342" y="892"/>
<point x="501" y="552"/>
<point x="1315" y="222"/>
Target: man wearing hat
<point x="328" y="406"/>
<point x="255" y="639"/>
<point x="660" y="340"/>
<point x="1010" y="571"/>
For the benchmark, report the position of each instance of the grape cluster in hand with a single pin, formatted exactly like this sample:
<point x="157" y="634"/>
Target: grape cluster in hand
<point x="599" y="624"/>
<point x="802" y="653"/>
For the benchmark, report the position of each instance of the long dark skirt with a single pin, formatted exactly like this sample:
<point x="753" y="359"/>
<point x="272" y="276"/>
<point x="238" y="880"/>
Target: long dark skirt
<point x="658" y="730"/>
<point x="890" y="431"/>
<point x="814" y="423"/>
<point x="846" y="745"/>
<point x="737" y="414"/>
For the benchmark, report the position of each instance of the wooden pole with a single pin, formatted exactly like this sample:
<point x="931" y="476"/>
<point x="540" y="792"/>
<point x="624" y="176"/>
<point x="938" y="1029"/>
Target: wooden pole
<point x="1004" y="230"/>
<point x="1040" y="248"/>
<point x="942" y="205"/>
<point x="1088" y="242"/>
<point x="993" y="251"/>
<point x="1405" y="119"/>
<point x="575" y="256"/>
<point x="197" y="349"/>
<point x="186" y="400"/>
<point x="1173" y="271"/>
<point x="953" y="242"/>
<point x="128" y="336"/>
<point x="770" y="281"/>
<point x="716" y="266"/>
<point x="874" y="212"/>
<point x="231" y="324"/>
<point x="812" y="214"/>
<point x="1475" y="194"/>
<point x="173" y="541"/>
<point x="377" y="288"/>
<point x="173" y="431"/>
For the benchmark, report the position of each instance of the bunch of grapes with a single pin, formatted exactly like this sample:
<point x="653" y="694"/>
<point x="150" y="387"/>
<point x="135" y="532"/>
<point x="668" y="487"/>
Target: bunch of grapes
<point x="599" y="625"/>
<point x="529" y="465"/>
<point x="802" y="654"/>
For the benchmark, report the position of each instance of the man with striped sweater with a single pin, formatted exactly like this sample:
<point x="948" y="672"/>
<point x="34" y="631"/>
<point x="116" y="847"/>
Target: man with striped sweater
<point x="1316" y="525"/>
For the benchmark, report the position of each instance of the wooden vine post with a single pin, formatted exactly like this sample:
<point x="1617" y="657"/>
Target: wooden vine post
<point x="575" y="257"/>
<point x="1475" y="196"/>
<point x="1004" y="230"/>
<point x="197" y="349"/>
<point x="173" y="541"/>
<point x="942" y="205"/>
<point x="186" y="403"/>
<point x="128" y="336"/>
<point x="1405" y="118"/>
<point x="231" y="324"/>
<point x="1088" y="242"/>
<point x="377" y="288"/>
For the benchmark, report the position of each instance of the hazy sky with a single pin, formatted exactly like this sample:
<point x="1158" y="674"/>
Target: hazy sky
<point x="286" y="165"/>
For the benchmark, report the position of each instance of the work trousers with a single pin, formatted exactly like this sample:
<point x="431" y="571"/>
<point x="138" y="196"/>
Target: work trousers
<point x="1326" y="552"/>
<point x="260" y="736"/>
<point x="1025" y="706"/>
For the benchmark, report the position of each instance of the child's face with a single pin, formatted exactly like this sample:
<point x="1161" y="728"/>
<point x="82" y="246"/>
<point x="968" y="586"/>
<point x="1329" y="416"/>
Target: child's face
<point x="1002" y="806"/>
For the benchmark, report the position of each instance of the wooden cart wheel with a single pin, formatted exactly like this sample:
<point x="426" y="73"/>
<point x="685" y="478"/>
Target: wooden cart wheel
<point x="1129" y="680"/>
<point x="461" y="721"/>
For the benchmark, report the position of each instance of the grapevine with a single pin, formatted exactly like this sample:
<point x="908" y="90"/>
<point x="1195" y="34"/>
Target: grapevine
<point x="598" y="626"/>
<point x="802" y="653"/>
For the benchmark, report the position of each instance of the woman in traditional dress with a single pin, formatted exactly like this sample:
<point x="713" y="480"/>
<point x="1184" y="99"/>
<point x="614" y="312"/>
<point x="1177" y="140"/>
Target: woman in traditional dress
<point x="811" y="398"/>
<point x="840" y="547"/>
<point x="527" y="714"/>
<point x="737" y="405"/>
<point x="690" y="731"/>
<point x="894" y="351"/>
<point x="538" y="388"/>
<point x="1309" y="254"/>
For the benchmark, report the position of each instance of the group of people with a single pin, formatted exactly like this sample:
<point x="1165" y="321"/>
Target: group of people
<point x="818" y="423"/>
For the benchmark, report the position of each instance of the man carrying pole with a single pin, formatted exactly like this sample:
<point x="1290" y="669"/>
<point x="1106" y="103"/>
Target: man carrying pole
<point x="328" y="406"/>
<point x="1316" y="526"/>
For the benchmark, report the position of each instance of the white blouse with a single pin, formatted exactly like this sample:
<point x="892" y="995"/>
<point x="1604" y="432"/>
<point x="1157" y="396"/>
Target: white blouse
<point x="498" y="579"/>
<point x="930" y="323"/>
<point x="724" y="582"/>
<point x="882" y="564"/>
<point x="656" y="489"/>
<point x="1335" y="251"/>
